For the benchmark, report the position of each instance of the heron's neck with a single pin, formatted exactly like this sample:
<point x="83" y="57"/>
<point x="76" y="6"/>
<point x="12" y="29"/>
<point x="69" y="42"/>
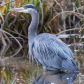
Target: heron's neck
<point x="32" y="31"/>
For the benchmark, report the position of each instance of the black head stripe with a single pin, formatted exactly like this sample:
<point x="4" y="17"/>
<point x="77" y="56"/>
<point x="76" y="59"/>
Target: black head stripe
<point x="30" y="6"/>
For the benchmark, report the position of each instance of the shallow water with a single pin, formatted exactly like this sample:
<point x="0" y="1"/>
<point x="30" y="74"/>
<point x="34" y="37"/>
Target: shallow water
<point x="18" y="70"/>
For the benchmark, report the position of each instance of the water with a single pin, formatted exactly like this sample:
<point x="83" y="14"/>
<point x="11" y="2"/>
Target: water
<point x="18" y="70"/>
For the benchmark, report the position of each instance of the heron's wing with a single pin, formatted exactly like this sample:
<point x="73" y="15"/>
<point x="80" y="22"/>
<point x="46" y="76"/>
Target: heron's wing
<point x="65" y="48"/>
<point x="49" y="44"/>
<point x="45" y="55"/>
<point x="50" y="49"/>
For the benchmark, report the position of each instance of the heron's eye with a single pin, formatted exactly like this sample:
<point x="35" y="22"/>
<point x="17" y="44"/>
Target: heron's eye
<point x="25" y="7"/>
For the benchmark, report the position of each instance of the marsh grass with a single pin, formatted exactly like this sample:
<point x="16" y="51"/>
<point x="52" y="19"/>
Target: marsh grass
<point x="65" y="18"/>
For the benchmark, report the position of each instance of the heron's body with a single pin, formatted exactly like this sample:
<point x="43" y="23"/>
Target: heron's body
<point x="49" y="51"/>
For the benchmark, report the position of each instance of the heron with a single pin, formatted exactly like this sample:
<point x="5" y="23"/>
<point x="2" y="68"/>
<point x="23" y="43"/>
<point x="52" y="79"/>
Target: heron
<point x="47" y="49"/>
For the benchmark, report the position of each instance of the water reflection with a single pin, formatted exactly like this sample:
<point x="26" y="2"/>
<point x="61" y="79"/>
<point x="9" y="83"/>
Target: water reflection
<point x="56" y="78"/>
<point x="17" y="70"/>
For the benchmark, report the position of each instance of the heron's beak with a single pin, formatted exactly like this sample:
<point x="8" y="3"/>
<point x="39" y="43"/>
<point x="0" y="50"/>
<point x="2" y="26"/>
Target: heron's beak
<point x="17" y="9"/>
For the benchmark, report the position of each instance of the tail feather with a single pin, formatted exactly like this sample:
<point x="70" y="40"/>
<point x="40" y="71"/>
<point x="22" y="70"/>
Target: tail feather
<point x="70" y="65"/>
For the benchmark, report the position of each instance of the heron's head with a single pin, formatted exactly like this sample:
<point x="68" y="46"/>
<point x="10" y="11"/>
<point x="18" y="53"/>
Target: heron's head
<point x="28" y="8"/>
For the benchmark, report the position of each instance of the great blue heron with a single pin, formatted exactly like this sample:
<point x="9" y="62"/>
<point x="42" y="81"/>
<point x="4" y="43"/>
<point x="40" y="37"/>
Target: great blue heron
<point x="48" y="50"/>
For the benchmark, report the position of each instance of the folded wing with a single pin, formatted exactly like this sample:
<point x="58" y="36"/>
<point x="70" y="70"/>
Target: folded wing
<point x="52" y="53"/>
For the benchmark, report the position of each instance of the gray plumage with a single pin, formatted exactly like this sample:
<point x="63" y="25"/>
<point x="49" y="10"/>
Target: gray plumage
<point x="49" y="51"/>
